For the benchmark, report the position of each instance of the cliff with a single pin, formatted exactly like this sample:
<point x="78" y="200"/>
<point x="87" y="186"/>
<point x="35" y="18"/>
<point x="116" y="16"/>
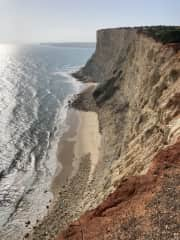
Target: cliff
<point x="138" y="105"/>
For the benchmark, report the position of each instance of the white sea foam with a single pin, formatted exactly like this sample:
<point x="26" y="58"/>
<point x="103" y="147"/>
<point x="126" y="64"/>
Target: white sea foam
<point x="61" y="125"/>
<point x="66" y="73"/>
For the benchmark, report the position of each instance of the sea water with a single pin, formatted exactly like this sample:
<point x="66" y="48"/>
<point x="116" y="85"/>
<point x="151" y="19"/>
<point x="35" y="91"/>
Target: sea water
<point x="35" y="86"/>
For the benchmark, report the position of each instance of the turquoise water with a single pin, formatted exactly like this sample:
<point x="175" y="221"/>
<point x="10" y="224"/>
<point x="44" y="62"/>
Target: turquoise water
<point x="35" y="85"/>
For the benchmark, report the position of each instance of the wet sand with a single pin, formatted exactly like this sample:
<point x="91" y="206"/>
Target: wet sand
<point x="65" y="153"/>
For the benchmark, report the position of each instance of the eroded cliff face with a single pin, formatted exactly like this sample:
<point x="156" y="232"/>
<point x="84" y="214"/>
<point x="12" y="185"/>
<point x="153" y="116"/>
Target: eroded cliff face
<point x="138" y="104"/>
<point x="111" y="49"/>
<point x="137" y="100"/>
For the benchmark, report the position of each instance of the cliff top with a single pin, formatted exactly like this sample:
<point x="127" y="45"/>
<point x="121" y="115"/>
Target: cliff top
<point x="164" y="34"/>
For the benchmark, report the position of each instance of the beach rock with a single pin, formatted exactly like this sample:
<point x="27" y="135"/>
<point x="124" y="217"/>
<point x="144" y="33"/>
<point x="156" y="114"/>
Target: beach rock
<point x="26" y="235"/>
<point x="28" y="223"/>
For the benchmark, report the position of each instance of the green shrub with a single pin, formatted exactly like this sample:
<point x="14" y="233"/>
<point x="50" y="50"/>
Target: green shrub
<point x="164" y="34"/>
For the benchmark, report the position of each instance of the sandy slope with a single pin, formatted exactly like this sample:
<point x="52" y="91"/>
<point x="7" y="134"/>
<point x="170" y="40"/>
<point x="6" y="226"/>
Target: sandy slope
<point x="88" y="139"/>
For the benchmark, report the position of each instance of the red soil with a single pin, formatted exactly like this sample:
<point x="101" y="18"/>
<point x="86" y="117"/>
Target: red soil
<point x="142" y="207"/>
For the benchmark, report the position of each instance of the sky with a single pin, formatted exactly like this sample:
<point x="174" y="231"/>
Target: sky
<point x="24" y="21"/>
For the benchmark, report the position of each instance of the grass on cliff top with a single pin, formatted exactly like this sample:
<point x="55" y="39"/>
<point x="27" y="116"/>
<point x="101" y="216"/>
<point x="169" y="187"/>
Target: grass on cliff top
<point x="164" y="34"/>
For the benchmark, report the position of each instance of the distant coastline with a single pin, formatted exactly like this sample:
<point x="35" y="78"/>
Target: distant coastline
<point x="71" y="44"/>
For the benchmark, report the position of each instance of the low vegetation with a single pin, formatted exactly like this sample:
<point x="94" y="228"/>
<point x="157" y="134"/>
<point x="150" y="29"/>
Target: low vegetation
<point x="164" y="34"/>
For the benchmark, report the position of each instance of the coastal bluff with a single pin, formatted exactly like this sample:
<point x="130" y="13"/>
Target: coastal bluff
<point x="126" y="186"/>
<point x="137" y="99"/>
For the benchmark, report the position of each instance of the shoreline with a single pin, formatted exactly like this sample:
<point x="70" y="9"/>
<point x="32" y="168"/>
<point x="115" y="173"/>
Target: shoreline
<point x="65" y="152"/>
<point x="78" y="152"/>
<point x="81" y="138"/>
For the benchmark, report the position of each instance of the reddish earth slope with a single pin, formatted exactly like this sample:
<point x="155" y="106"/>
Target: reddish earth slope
<point x="142" y="207"/>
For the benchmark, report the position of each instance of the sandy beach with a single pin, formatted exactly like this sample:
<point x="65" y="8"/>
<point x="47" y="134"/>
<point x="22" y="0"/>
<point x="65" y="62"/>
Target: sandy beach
<point x="80" y="139"/>
<point x="78" y="155"/>
<point x="65" y="152"/>
<point x="88" y="139"/>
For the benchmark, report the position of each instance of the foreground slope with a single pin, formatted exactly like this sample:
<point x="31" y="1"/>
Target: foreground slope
<point x="142" y="207"/>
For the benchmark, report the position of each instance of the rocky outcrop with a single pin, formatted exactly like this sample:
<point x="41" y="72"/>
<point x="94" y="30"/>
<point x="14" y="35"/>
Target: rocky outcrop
<point x="138" y="105"/>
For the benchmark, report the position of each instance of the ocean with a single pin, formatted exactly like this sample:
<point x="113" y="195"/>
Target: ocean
<point x="35" y="87"/>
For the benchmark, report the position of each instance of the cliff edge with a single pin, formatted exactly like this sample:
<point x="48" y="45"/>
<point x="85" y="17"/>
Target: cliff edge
<point x="138" y="104"/>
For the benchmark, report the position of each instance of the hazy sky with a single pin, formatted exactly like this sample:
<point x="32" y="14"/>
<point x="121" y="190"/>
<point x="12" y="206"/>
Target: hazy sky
<point x="78" y="20"/>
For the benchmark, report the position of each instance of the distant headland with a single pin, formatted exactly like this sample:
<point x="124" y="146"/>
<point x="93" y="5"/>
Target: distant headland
<point x="71" y="44"/>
